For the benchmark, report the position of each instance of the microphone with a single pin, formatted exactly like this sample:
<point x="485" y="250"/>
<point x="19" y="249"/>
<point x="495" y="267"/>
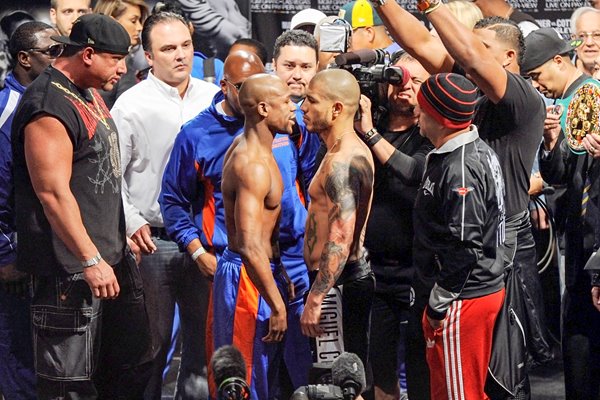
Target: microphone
<point x="348" y="372"/>
<point x="229" y="371"/>
<point x="362" y="56"/>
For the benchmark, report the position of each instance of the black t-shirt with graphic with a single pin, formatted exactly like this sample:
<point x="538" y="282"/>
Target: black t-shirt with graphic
<point x="95" y="178"/>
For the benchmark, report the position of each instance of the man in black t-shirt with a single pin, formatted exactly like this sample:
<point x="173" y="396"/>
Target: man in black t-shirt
<point x="509" y="116"/>
<point x="396" y="336"/>
<point x="567" y="159"/>
<point x="90" y="329"/>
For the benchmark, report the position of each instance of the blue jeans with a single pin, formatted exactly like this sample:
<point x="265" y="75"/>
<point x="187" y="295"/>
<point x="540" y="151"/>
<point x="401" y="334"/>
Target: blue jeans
<point x="17" y="376"/>
<point x="86" y="348"/>
<point x="170" y="276"/>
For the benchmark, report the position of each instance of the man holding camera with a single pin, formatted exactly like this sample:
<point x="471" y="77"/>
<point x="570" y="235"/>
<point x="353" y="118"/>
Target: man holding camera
<point x="400" y="153"/>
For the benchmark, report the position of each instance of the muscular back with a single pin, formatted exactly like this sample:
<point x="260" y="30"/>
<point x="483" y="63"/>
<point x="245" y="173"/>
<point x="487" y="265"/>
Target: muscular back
<point x="252" y="190"/>
<point x="341" y="195"/>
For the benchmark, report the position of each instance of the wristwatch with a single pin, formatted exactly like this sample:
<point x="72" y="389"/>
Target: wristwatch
<point x="92" y="261"/>
<point x="370" y="133"/>
<point x="426" y="6"/>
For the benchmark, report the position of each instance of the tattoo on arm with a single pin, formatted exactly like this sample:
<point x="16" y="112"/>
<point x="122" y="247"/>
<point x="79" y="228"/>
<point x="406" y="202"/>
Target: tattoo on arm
<point x="325" y="278"/>
<point x="346" y="188"/>
<point x="311" y="233"/>
<point x="343" y="189"/>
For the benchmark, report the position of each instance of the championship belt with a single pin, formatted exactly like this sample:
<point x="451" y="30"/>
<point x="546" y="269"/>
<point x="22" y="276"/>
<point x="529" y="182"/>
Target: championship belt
<point x="583" y="116"/>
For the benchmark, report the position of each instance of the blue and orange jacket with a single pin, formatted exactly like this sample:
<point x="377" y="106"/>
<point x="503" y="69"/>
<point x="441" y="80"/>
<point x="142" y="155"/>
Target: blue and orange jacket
<point x="191" y="201"/>
<point x="9" y="98"/>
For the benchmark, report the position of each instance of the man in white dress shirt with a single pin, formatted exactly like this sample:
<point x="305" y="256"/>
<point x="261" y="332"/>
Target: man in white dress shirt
<point x="148" y="117"/>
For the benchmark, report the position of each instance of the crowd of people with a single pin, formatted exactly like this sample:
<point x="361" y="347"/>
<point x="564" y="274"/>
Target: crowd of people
<point x="152" y="195"/>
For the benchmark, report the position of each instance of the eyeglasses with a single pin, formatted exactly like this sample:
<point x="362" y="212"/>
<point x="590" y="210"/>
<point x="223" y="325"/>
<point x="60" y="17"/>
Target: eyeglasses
<point x="238" y="86"/>
<point x="584" y="35"/>
<point x="51" y="51"/>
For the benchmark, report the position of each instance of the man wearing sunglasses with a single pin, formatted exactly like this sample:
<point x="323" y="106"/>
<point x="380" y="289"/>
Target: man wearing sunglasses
<point x="90" y="328"/>
<point x="32" y="50"/>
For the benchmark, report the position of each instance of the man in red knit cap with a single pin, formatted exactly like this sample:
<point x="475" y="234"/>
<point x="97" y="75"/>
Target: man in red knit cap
<point x="459" y="226"/>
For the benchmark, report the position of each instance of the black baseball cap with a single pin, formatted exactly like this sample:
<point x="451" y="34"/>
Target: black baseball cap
<point x="99" y="32"/>
<point x="542" y="45"/>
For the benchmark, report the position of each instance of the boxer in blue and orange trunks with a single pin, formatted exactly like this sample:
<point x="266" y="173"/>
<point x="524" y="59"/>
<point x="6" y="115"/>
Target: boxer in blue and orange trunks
<point x="249" y="309"/>
<point x="241" y="317"/>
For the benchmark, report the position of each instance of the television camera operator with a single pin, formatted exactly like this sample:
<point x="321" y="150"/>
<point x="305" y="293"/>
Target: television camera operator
<point x="399" y="151"/>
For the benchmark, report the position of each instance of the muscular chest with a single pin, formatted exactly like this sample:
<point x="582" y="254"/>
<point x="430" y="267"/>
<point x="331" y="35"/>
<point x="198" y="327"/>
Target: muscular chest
<point x="273" y="199"/>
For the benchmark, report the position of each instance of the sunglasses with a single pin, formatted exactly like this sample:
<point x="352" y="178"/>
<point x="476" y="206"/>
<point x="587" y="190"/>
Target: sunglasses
<point x="51" y="51"/>
<point x="235" y="85"/>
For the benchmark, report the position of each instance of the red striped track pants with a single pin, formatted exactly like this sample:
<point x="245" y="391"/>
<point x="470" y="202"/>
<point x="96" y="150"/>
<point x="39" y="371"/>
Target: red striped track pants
<point x="458" y="353"/>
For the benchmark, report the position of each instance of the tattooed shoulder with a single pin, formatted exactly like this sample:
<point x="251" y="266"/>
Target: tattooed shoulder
<point x="344" y="182"/>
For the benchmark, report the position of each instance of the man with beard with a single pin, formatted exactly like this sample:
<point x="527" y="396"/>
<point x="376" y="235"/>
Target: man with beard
<point x="341" y="195"/>
<point x="548" y="64"/>
<point x="400" y="161"/>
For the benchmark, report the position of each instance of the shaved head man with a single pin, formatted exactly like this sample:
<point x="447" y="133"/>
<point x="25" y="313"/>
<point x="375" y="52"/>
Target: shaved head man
<point x="250" y="280"/>
<point x="192" y="180"/>
<point x="341" y="194"/>
<point x="239" y="65"/>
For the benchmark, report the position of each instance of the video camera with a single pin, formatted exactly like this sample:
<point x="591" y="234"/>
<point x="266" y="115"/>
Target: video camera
<point x="373" y="73"/>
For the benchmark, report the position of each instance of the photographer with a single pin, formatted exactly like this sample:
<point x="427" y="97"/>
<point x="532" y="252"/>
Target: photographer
<point x="400" y="153"/>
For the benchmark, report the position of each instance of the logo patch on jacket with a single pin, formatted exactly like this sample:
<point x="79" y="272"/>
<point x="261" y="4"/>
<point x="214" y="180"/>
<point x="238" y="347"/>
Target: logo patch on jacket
<point x="462" y="191"/>
<point x="428" y="187"/>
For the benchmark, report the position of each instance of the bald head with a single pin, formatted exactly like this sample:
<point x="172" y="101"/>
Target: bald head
<point x="266" y="101"/>
<point x="337" y="85"/>
<point x="242" y="63"/>
<point x="258" y="89"/>
<point x="239" y="65"/>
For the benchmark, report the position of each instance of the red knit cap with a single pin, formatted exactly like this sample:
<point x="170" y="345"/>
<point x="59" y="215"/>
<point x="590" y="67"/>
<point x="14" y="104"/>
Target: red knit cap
<point x="449" y="98"/>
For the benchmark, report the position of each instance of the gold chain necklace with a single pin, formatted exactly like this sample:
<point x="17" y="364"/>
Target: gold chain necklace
<point x="98" y="112"/>
<point x="337" y="140"/>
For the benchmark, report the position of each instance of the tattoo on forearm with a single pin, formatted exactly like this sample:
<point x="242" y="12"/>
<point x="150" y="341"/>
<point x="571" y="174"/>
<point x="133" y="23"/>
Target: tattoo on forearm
<point x="332" y="252"/>
<point x="311" y="233"/>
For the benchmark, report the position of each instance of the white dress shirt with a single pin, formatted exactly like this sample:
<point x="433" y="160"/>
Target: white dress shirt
<point x="148" y="118"/>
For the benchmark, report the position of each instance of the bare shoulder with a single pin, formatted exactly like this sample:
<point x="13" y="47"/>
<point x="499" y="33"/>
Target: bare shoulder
<point x="348" y="172"/>
<point x="354" y="154"/>
<point x="252" y="174"/>
<point x="231" y="150"/>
